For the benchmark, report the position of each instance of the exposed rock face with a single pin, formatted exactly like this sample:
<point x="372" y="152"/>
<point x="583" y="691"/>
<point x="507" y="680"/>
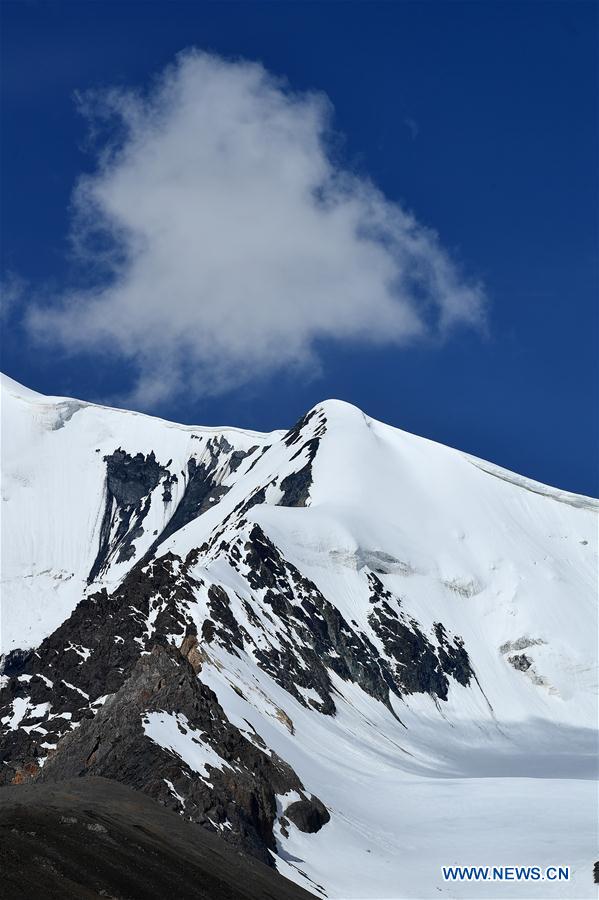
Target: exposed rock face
<point x="86" y="659"/>
<point x="520" y="661"/>
<point x="296" y="486"/>
<point x="130" y="481"/>
<point x="232" y="793"/>
<point x="421" y="667"/>
<point x="189" y="649"/>
<point x="308" y="815"/>
<point x="14" y="662"/>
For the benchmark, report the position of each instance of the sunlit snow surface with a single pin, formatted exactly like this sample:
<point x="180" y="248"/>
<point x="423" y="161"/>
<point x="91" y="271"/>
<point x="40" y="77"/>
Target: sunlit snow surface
<point x="500" y="774"/>
<point x="173" y="732"/>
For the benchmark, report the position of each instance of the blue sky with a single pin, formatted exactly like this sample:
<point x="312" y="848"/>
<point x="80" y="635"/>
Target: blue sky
<point x="477" y="120"/>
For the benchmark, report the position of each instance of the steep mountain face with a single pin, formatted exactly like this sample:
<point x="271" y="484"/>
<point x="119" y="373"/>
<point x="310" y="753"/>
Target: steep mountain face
<point x="323" y="644"/>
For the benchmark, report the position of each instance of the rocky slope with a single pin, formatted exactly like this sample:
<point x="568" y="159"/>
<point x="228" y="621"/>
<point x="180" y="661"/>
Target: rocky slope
<point x="90" y="837"/>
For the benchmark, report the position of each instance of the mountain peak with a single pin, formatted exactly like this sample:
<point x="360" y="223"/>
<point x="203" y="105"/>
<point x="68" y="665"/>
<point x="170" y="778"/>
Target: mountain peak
<point x="318" y="643"/>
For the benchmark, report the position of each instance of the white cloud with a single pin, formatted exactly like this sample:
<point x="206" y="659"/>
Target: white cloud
<point x="12" y="293"/>
<point x="227" y="241"/>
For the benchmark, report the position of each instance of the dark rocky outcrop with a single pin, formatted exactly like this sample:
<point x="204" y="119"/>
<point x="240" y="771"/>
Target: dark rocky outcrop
<point x="237" y="786"/>
<point x="13" y="663"/>
<point x="88" y="657"/>
<point x="452" y="655"/>
<point x="327" y="640"/>
<point x="296" y="486"/>
<point x="422" y="665"/>
<point x="130" y="481"/>
<point x="520" y="661"/>
<point x="308" y="816"/>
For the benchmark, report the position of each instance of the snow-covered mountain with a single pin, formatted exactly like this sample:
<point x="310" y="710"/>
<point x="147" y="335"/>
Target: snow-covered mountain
<point x="358" y="654"/>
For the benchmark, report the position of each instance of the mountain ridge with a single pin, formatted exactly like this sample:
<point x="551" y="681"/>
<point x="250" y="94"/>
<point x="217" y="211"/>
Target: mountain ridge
<point x="367" y="606"/>
<point x="10" y="385"/>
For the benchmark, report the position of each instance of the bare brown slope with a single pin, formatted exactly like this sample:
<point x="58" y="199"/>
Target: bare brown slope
<point x="92" y="837"/>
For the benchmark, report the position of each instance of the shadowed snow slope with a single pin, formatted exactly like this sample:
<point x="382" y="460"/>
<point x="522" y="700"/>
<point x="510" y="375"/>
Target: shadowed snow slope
<point x="409" y="633"/>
